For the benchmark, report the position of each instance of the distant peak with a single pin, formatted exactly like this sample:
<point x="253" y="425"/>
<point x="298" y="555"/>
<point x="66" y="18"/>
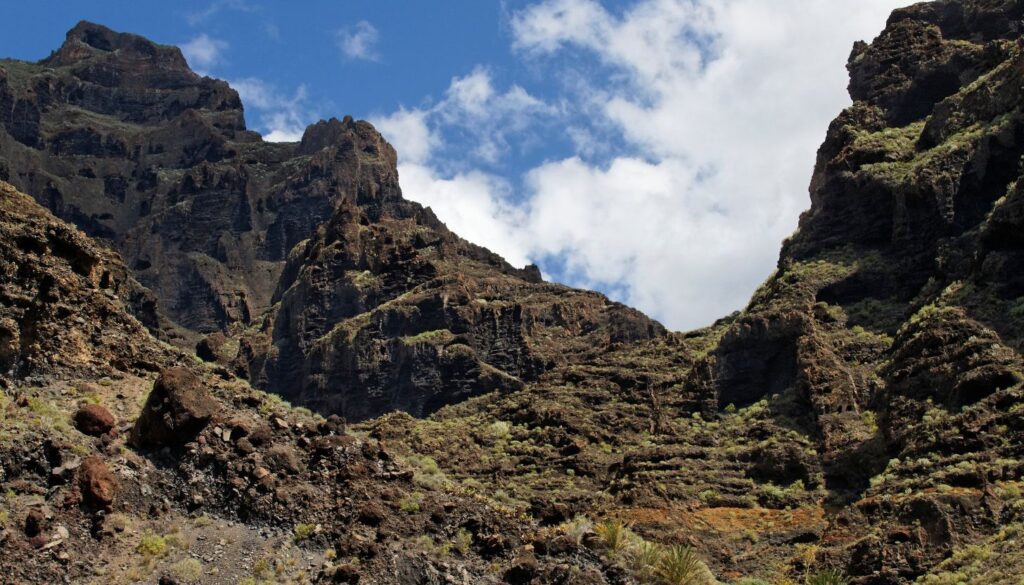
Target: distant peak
<point x="347" y="132"/>
<point x="96" y="36"/>
<point x="88" y="39"/>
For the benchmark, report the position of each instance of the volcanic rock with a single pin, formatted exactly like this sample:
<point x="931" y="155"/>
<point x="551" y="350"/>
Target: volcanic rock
<point x="178" y="408"/>
<point x="94" y="419"/>
<point x="97" y="483"/>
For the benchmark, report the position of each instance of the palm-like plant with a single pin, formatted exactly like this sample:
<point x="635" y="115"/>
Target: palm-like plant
<point x="644" y="560"/>
<point x="680" y="566"/>
<point x="614" y="534"/>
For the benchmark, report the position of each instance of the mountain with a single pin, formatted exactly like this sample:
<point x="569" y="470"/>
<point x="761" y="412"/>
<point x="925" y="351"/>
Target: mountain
<point x="373" y="304"/>
<point x="861" y="420"/>
<point x="124" y="458"/>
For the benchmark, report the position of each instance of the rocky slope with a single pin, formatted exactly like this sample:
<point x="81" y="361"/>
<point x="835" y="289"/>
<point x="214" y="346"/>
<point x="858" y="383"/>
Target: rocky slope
<point x="115" y="473"/>
<point x="864" y="412"/>
<point x="861" y="420"/>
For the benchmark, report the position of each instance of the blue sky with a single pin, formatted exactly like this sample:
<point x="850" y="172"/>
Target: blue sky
<point x="656" y="150"/>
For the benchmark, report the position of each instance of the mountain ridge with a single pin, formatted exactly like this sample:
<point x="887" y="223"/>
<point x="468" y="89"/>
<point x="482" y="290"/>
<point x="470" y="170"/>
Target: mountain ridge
<point x="863" y="414"/>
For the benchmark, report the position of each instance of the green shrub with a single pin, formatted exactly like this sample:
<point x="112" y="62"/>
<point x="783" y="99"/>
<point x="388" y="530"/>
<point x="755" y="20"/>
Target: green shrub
<point x="615" y="535"/>
<point x="152" y="545"/>
<point x="644" y="560"/>
<point x="261" y="569"/>
<point x="576" y="528"/>
<point x="463" y="540"/>
<point x="680" y="565"/>
<point x="500" y="429"/>
<point x="411" y="503"/>
<point x="304" y="531"/>
<point x="187" y="570"/>
<point x="426" y="472"/>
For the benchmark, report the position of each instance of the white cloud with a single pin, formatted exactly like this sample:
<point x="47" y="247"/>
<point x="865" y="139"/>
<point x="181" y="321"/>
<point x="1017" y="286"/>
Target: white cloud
<point x="409" y="134"/>
<point x="483" y="116"/>
<point x="474" y="204"/>
<point x="359" y="42"/>
<point x="282" y="118"/>
<point x="203" y="52"/>
<point x="730" y="99"/>
<point x="200" y="16"/>
<point x="715" y="108"/>
<point x="272" y="31"/>
<point x="475" y="107"/>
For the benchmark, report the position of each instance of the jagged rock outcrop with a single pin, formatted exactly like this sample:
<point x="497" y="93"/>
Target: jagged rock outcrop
<point x="396" y="312"/>
<point x="873" y="386"/>
<point x="116" y="134"/>
<point x="896" y="296"/>
<point x="67" y="304"/>
<point x="176" y="411"/>
<point x="216" y="480"/>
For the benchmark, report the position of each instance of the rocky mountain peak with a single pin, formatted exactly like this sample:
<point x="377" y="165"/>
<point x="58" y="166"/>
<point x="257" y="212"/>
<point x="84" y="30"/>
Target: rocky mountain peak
<point x="283" y="244"/>
<point x="347" y="134"/>
<point x="89" y="41"/>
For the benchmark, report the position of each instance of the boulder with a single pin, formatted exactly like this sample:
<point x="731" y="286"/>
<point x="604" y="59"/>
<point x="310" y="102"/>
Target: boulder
<point x="177" y="410"/>
<point x="34" y="521"/>
<point x="97" y="483"/>
<point x="94" y="420"/>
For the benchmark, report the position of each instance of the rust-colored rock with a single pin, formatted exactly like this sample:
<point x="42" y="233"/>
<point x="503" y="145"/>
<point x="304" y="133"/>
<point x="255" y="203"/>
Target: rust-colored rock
<point x="97" y="483"/>
<point x="94" y="419"/>
<point x="34" y="522"/>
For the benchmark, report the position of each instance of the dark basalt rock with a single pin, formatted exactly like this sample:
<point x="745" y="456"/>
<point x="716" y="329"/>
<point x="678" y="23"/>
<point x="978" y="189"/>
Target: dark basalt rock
<point x="202" y="210"/>
<point x="868" y="400"/>
<point x="894" y="301"/>
<point x="178" y="409"/>
<point x="263" y="467"/>
<point x="65" y="300"/>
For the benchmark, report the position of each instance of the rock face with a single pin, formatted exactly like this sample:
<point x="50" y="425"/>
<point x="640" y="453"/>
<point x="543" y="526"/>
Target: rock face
<point x="66" y="302"/>
<point x="115" y="134"/>
<point x="177" y="409"/>
<point x="878" y="374"/>
<point x="373" y="304"/>
<point x="282" y="481"/>
<point x="395" y="312"/>
<point x="900" y="294"/>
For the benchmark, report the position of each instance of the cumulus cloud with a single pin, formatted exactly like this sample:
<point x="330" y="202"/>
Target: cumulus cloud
<point x="475" y="203"/>
<point x="203" y="52"/>
<point x="281" y="117"/>
<point x="481" y="117"/>
<point x="693" y="146"/>
<point x="359" y="42"/>
<point x="410" y="134"/>
<point x="473" y="106"/>
<point x="729" y="100"/>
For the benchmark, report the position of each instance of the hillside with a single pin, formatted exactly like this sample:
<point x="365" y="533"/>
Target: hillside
<point x="861" y="420"/>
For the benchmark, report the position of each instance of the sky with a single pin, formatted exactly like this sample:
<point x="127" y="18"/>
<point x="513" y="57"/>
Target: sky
<point x="656" y="150"/>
